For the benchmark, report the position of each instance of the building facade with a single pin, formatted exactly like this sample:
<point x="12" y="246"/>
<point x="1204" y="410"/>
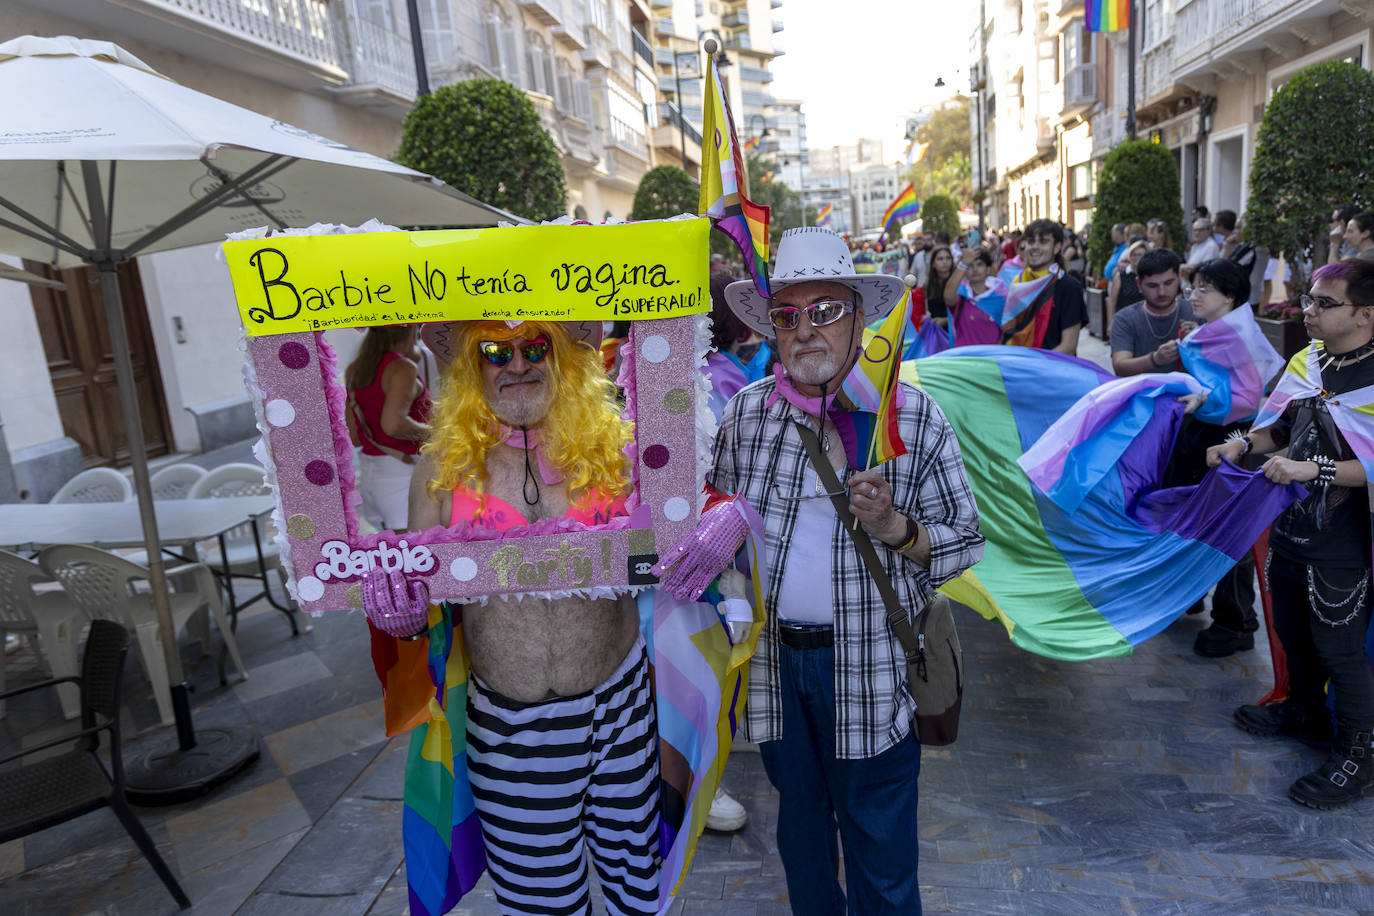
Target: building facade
<point x="344" y="69"/>
<point x="1051" y="98"/>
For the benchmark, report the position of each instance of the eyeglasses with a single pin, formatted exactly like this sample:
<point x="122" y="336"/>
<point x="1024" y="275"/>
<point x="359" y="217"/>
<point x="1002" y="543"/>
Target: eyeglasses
<point x="1203" y="289"/>
<point x="820" y="314"/>
<point x="1321" y="303"/>
<point x="500" y="353"/>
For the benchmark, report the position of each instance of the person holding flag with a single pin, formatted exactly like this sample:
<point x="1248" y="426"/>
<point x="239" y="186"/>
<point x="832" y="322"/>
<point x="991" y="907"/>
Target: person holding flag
<point x="1044" y="305"/>
<point x="828" y="700"/>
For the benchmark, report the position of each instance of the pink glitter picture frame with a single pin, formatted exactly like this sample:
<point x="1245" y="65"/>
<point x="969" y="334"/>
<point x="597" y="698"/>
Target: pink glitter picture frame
<point x="301" y="414"/>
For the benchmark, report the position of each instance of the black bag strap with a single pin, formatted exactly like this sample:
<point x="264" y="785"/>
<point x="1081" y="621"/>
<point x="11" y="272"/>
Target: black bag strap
<point x="897" y="619"/>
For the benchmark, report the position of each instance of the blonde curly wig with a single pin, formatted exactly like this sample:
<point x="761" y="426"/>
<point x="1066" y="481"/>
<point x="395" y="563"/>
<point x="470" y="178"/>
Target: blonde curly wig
<point x="583" y="433"/>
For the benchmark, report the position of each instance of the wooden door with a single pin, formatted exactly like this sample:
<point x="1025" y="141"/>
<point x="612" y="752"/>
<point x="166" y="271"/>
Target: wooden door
<point x="76" y="341"/>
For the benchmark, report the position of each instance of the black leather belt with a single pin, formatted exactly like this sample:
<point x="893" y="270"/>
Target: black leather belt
<point x="806" y="636"/>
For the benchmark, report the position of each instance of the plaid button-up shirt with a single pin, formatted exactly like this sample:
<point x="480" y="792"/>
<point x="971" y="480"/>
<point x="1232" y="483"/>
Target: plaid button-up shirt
<point x="757" y="446"/>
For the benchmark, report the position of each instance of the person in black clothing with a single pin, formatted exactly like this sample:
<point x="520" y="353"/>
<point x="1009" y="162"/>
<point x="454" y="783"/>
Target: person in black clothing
<point x="1318" y="569"/>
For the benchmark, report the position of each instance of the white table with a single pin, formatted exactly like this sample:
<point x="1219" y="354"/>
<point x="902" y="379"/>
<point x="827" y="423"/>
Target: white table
<point x="31" y="527"/>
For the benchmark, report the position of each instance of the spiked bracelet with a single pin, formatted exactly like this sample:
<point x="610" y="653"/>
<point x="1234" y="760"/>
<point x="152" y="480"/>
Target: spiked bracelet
<point x="1326" y="468"/>
<point x="1238" y="436"/>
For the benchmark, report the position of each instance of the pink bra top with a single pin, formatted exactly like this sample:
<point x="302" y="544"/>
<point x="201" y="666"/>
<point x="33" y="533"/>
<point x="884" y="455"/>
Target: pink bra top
<point x="591" y="508"/>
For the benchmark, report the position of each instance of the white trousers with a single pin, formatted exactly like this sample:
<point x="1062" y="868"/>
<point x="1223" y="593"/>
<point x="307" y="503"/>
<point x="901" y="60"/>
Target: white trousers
<point x="384" y="484"/>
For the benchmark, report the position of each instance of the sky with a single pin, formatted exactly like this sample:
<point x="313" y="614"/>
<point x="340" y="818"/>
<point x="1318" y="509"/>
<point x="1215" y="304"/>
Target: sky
<point x="861" y="67"/>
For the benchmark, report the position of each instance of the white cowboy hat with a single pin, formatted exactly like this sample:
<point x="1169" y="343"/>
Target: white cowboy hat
<point x="440" y="336"/>
<point x="804" y="255"/>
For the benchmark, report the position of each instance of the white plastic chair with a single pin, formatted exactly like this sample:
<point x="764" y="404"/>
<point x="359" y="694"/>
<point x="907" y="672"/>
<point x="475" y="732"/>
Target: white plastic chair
<point x="230" y="480"/>
<point x="48" y="619"/>
<point x="102" y="585"/>
<point x="175" y="481"/>
<point x="96" y="485"/>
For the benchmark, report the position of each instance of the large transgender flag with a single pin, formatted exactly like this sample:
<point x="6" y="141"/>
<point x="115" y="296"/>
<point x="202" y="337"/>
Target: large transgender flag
<point x="1228" y="360"/>
<point x="1096" y="581"/>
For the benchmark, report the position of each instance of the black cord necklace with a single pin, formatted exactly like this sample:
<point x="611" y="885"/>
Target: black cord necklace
<point x="530" y="479"/>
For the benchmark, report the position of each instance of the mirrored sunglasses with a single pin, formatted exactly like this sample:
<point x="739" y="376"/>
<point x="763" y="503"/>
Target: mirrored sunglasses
<point x="501" y="352"/>
<point x="820" y="314"/>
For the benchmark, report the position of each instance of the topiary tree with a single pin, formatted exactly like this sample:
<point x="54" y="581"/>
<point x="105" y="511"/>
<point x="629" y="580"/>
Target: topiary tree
<point x="665" y="191"/>
<point x="940" y="213"/>
<point x="1138" y="183"/>
<point x="1312" y="156"/>
<point x="484" y="138"/>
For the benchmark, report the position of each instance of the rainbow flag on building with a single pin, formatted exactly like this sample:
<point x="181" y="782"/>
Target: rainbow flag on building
<point x="725" y="185"/>
<point x="1106" y="15"/>
<point x="902" y="210"/>
<point x="823" y="217"/>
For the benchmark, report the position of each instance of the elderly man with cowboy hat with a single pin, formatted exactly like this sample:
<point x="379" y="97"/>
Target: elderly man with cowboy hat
<point x="562" y="746"/>
<point x="828" y="702"/>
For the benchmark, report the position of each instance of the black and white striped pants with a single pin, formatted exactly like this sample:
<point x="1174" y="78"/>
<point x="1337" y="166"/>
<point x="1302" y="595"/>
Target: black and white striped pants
<point x="557" y="779"/>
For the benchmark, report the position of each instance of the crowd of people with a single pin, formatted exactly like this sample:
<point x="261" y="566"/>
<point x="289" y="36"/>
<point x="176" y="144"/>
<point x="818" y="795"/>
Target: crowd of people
<point x="828" y="702"/>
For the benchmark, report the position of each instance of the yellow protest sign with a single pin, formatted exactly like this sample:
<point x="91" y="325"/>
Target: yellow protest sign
<point x="560" y="273"/>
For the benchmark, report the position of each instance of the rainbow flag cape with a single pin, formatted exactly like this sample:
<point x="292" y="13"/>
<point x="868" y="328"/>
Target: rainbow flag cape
<point x="1025" y="311"/>
<point x="905" y="208"/>
<point x="426" y="688"/>
<point x="1232" y="358"/>
<point x="1070" y="585"/>
<point x="1106" y="15"/>
<point x="823" y="217"/>
<point x="725" y="186"/>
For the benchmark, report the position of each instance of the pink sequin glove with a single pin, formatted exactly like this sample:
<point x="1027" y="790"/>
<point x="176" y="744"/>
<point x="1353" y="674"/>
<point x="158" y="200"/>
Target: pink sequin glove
<point x="395" y="605"/>
<point x="705" y="553"/>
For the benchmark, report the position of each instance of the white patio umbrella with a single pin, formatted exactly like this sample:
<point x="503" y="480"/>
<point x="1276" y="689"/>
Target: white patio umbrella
<point x="102" y="159"/>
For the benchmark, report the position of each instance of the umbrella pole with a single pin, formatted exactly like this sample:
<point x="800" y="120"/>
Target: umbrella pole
<point x="138" y="459"/>
<point x="163" y="770"/>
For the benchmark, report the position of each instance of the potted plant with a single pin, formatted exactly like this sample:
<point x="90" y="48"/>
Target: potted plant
<point x="1283" y="327"/>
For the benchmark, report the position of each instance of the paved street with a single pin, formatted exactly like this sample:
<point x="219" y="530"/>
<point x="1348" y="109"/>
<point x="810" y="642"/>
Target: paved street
<point x="1111" y="786"/>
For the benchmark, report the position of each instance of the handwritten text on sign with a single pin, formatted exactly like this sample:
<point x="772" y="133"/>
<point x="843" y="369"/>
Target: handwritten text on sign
<point x="558" y="273"/>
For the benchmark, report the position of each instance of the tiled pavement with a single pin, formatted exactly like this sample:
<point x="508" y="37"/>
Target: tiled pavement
<point x="1101" y="787"/>
<point x="1114" y="786"/>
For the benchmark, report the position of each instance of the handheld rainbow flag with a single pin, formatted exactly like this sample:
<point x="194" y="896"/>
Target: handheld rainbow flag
<point x="751" y="143"/>
<point x="767" y="177"/>
<point x="725" y="186"/>
<point x="823" y="217"/>
<point x="902" y="210"/>
<point x="872" y="384"/>
<point x="1107" y="15"/>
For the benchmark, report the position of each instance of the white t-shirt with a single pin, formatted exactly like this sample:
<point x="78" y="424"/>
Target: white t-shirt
<point x="1203" y="251"/>
<point x="808" y="559"/>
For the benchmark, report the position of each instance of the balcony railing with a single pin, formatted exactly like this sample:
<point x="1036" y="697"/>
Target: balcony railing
<point x="1204" y="27"/>
<point x="669" y="113"/>
<point x="641" y="46"/>
<point x="755" y="74"/>
<point x="302" y="28"/>
<point x="734" y="18"/>
<point x="1157" y="70"/>
<point x="547" y="12"/>
<point x="1080" y="86"/>
<point x="380" y="57"/>
<point x="738" y="41"/>
<point x="664" y="26"/>
<point x="777" y="25"/>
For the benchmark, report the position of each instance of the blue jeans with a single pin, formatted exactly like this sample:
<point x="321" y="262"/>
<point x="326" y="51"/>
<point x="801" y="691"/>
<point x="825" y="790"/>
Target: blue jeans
<point x="868" y="805"/>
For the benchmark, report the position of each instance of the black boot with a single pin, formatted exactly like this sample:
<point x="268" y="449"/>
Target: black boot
<point x="1218" y="641"/>
<point x="1309" y="724"/>
<point x="1346" y="776"/>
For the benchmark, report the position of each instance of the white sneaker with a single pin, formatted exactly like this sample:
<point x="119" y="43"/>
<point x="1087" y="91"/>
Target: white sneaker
<point x="726" y="814"/>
